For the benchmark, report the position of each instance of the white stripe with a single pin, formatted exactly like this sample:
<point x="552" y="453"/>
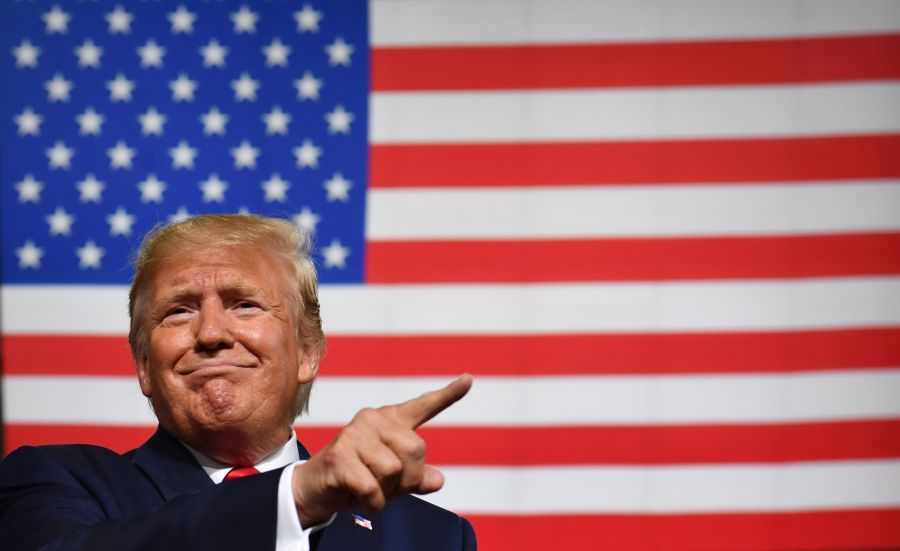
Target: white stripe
<point x="73" y="400"/>
<point x="626" y="307"/>
<point x="434" y="22"/>
<point x="661" y="113"/>
<point x="688" y="489"/>
<point x="639" y="400"/>
<point x="633" y="211"/>
<point x="67" y="309"/>
<point x="505" y="401"/>
<point x="524" y="309"/>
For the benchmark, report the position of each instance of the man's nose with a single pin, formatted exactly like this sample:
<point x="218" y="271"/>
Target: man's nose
<point x="213" y="327"/>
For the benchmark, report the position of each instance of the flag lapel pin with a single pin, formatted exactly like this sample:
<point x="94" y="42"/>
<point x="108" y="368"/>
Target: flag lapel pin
<point x="364" y="522"/>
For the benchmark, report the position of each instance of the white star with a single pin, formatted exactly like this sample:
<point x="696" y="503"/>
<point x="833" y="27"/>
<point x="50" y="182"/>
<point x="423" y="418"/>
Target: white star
<point x="183" y="88"/>
<point x="121" y="155"/>
<point x="213" y="54"/>
<point x="60" y="222"/>
<point x="183" y="155"/>
<point x="339" y="52"/>
<point x="29" y="255"/>
<point x="337" y="188"/>
<point x="339" y="120"/>
<point x="119" y="21"/>
<point x="120" y="88"/>
<point x="182" y="20"/>
<point x="88" y="54"/>
<point x="276" y="121"/>
<point x="90" y="122"/>
<point x="91" y="189"/>
<point x="180" y="215"/>
<point x="307" y="19"/>
<point x="307" y="220"/>
<point x="244" y="155"/>
<point x="151" y="54"/>
<point x="335" y="254"/>
<point x="58" y="88"/>
<point x="152" y="189"/>
<point x="276" y="188"/>
<point x="214" y="189"/>
<point x="29" y="189"/>
<point x="307" y="87"/>
<point x="120" y="222"/>
<point x="89" y="256"/>
<point x="152" y="122"/>
<point x="244" y="20"/>
<point x="276" y="53"/>
<point x="60" y="156"/>
<point x="214" y="122"/>
<point x="26" y="54"/>
<point x="56" y="21"/>
<point x="245" y="88"/>
<point x="307" y="154"/>
<point x="29" y="122"/>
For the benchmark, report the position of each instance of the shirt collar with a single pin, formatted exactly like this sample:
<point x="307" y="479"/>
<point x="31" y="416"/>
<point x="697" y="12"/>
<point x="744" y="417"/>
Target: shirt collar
<point x="285" y="455"/>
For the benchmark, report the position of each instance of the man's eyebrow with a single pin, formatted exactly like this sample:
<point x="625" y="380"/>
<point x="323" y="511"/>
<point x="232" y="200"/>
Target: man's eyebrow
<point x="238" y="287"/>
<point x="179" y="294"/>
<point x="231" y="288"/>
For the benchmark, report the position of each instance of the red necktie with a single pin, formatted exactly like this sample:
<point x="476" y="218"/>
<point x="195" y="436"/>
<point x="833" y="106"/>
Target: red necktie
<point x="240" y="472"/>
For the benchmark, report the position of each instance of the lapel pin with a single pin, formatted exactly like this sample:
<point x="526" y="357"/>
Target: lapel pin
<point x="364" y="522"/>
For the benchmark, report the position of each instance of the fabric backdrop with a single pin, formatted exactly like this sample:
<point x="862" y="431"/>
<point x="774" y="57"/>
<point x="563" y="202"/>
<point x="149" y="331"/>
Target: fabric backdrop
<point x="664" y="237"/>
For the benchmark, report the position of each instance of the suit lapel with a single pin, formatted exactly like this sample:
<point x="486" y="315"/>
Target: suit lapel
<point x="171" y="468"/>
<point x="174" y="472"/>
<point x="345" y="533"/>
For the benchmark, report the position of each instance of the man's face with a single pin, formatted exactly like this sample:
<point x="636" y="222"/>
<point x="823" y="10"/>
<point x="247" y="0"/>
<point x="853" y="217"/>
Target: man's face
<point x="223" y="361"/>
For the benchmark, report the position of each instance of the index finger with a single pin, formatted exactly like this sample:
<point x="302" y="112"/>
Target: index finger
<point x="419" y="410"/>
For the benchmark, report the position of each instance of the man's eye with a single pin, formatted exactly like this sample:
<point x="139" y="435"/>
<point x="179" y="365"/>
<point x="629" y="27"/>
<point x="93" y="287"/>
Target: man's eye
<point x="246" y="304"/>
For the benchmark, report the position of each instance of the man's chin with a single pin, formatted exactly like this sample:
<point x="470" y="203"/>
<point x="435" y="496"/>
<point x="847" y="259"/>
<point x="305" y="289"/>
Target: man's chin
<point x="219" y="398"/>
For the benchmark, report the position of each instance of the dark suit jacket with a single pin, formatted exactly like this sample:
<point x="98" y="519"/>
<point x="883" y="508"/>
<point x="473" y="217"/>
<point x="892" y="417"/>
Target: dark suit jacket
<point x="158" y="497"/>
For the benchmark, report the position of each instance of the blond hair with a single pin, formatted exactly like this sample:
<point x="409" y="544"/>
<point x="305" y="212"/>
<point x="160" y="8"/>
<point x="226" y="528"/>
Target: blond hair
<point x="279" y="238"/>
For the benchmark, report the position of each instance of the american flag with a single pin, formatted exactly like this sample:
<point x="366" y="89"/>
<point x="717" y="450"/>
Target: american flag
<point x="664" y="236"/>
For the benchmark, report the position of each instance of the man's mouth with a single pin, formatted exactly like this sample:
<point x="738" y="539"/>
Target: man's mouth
<point x="213" y="369"/>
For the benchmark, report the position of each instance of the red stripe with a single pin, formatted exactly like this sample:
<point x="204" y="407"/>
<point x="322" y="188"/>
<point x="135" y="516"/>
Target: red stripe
<point x="524" y="355"/>
<point x="649" y="445"/>
<point x="871" y="530"/>
<point x="798" y="60"/>
<point x="636" y="162"/>
<point x="568" y="445"/>
<point x="528" y="355"/>
<point x="67" y="355"/>
<point x="515" y="261"/>
<point x="517" y="355"/>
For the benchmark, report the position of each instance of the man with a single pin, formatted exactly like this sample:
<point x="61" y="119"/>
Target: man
<point x="226" y="338"/>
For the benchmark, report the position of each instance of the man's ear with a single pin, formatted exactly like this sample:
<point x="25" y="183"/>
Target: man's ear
<point x="143" y="373"/>
<point x="307" y="364"/>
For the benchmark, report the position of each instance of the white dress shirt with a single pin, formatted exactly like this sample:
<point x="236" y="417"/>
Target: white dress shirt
<point x="290" y="535"/>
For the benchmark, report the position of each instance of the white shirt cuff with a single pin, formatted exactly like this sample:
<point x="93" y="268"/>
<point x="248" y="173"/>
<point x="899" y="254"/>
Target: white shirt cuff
<point x="290" y="535"/>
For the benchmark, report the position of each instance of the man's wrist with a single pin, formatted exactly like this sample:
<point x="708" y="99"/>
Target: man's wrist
<point x="309" y="513"/>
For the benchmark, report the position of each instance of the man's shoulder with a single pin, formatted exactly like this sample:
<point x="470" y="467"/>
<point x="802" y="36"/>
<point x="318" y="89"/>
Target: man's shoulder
<point x="68" y="453"/>
<point x="423" y="521"/>
<point x="416" y="506"/>
<point x="63" y="461"/>
<point x="93" y="478"/>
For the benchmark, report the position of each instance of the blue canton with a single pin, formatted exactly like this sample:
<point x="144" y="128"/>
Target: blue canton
<point x="120" y="116"/>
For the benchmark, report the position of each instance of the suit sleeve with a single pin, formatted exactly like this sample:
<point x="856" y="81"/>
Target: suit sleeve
<point x="45" y="504"/>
